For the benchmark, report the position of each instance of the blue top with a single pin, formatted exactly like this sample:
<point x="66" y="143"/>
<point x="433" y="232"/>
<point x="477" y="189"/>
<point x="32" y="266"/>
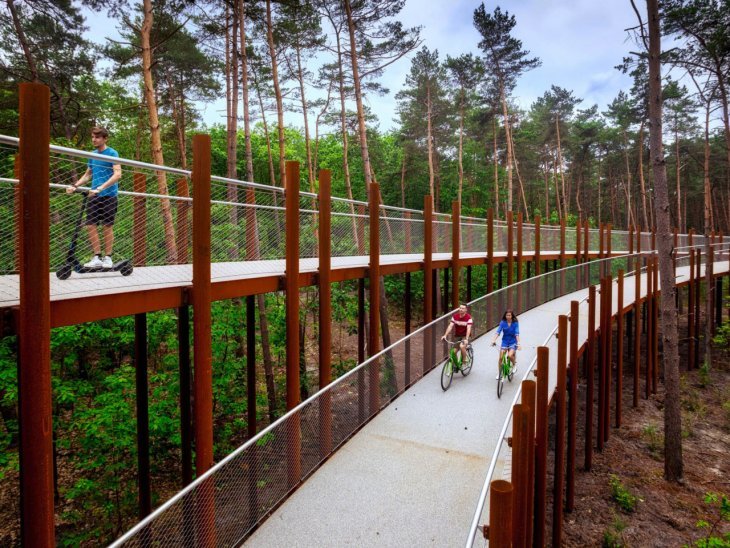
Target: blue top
<point x="102" y="170"/>
<point x="509" y="332"/>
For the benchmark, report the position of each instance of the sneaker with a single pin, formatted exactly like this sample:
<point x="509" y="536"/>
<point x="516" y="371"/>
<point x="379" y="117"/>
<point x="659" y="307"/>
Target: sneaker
<point x="497" y="377"/>
<point x="95" y="262"/>
<point x="107" y="262"/>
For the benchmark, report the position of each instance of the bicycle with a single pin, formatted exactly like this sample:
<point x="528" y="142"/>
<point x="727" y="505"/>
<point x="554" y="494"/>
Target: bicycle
<point x="505" y="370"/>
<point x="454" y="364"/>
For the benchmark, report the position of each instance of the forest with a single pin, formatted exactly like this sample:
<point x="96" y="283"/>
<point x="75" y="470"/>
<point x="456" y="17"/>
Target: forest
<point x="318" y="64"/>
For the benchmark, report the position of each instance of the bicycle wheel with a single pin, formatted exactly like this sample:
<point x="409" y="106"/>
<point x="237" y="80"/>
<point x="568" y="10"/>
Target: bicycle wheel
<point x="500" y="381"/>
<point x="466" y="368"/>
<point x="511" y="370"/>
<point x="447" y="373"/>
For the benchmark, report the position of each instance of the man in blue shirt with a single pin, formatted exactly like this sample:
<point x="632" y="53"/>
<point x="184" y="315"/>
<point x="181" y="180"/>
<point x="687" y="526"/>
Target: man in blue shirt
<point x="102" y="206"/>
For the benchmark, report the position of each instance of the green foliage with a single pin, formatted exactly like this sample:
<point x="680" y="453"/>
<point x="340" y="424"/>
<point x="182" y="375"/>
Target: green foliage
<point x="621" y="495"/>
<point x="718" y="507"/>
<point x="704" y="375"/>
<point x="613" y="536"/>
<point x="654" y="439"/>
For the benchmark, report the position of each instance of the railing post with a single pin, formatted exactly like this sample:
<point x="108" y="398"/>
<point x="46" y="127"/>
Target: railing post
<point x="698" y="318"/>
<point x="251" y="365"/>
<point x="586" y="243"/>
<point x="601" y="366"/>
<point x="139" y="215"/>
<point x="529" y="389"/>
<point x="201" y="297"/>
<point x="510" y="246"/>
<point x="655" y="337"/>
<point x="620" y="347"/>
<point x="519" y="474"/>
<point x="559" y="474"/>
<point x="537" y="245"/>
<point x="490" y="250"/>
<point x="601" y="268"/>
<point x="573" y="405"/>
<point x="500" y="514"/>
<point x="590" y="371"/>
<point x="34" y="329"/>
<point x="637" y="328"/>
<point x="291" y="200"/>
<point x="325" y="309"/>
<point x="182" y="237"/>
<point x="374" y="283"/>
<point x="455" y="248"/>
<point x="609" y="357"/>
<point x="650" y="318"/>
<point x="541" y="444"/>
<point x="427" y="279"/>
<point x="609" y="226"/>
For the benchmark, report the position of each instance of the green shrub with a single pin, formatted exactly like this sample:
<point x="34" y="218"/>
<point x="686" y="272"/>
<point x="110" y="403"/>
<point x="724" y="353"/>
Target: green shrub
<point x="621" y="495"/>
<point x="719" y="507"/>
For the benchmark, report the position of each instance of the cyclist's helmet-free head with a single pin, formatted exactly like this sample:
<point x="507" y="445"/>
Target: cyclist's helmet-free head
<point x="513" y="316"/>
<point x="462" y="309"/>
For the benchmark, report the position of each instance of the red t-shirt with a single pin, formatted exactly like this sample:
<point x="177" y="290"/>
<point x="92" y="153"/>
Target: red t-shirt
<point x="460" y="324"/>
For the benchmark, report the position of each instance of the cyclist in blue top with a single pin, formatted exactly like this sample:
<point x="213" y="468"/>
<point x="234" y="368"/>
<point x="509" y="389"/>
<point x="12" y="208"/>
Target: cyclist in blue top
<point x="102" y="206"/>
<point x="509" y="327"/>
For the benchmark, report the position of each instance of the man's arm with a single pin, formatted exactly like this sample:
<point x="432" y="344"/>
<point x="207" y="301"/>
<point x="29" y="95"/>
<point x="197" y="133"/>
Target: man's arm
<point x="448" y="330"/>
<point x="116" y="176"/>
<point x="86" y="177"/>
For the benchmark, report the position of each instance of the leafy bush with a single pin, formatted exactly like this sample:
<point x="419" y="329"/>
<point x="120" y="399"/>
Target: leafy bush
<point x="719" y="507"/>
<point x="621" y="495"/>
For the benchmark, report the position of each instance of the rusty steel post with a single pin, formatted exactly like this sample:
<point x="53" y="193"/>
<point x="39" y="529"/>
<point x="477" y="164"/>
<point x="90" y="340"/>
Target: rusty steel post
<point x="573" y="405"/>
<point x="637" y="329"/>
<point x="182" y="235"/>
<point x="374" y="283"/>
<point x="698" y="317"/>
<point x="455" y="249"/>
<point x="34" y="328"/>
<point x="202" y="357"/>
<point x="510" y="247"/>
<point x="609" y="226"/>
<point x="519" y="249"/>
<point x="519" y="473"/>
<point x="139" y="216"/>
<point x="609" y="358"/>
<point x="559" y="474"/>
<point x="649" y="319"/>
<point x="428" y="336"/>
<point x="251" y="365"/>
<point x="601" y="365"/>
<point x="490" y="250"/>
<point x="143" y="423"/>
<point x="620" y="348"/>
<point x="578" y="256"/>
<point x="500" y="514"/>
<point x="586" y="244"/>
<point x="601" y="268"/>
<point x="590" y="370"/>
<point x="529" y="389"/>
<point x="541" y="444"/>
<point x="325" y="309"/>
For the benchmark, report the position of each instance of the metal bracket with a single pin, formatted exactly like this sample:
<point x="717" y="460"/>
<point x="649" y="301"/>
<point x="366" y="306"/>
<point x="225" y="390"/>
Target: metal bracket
<point x="509" y="441"/>
<point x="485" y="531"/>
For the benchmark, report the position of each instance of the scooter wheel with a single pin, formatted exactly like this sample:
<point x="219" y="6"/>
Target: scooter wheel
<point x="64" y="272"/>
<point x="127" y="270"/>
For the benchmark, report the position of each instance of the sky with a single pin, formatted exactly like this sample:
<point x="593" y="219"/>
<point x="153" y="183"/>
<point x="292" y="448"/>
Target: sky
<point x="578" y="41"/>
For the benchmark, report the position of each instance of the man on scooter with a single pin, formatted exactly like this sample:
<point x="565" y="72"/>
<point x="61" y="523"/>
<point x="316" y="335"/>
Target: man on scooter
<point x="102" y="206"/>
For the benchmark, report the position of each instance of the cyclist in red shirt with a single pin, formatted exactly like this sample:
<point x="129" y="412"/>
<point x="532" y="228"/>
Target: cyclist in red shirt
<point x="461" y="323"/>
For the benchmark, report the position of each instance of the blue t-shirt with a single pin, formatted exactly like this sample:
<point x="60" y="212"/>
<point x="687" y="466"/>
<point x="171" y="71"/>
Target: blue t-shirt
<point x="509" y="332"/>
<point x="102" y="170"/>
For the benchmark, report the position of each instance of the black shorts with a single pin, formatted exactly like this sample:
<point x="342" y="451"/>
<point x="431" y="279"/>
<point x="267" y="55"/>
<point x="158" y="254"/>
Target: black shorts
<point x="101" y="210"/>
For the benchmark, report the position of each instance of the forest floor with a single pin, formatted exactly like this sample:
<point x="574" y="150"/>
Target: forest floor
<point x="664" y="513"/>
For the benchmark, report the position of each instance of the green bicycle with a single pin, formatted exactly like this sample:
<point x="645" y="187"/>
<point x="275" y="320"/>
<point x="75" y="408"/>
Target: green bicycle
<point x="454" y="364"/>
<point x="505" y="371"/>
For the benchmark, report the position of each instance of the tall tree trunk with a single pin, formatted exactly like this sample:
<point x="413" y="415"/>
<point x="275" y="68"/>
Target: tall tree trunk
<point x="232" y="86"/>
<point x="628" y="176"/>
<point x="277" y="93"/>
<point x="679" y="180"/>
<point x="673" y="464"/>
<point x="358" y="98"/>
<point x="508" y="138"/>
<point x="560" y="166"/>
<point x="546" y="174"/>
<point x="179" y="122"/>
<point x="155" y="138"/>
<point x="429" y="146"/>
<point x="706" y="174"/>
<point x="496" y="169"/>
<point x="307" y="145"/>
<point x="558" y="201"/>
<point x="461" y="147"/>
<point x="519" y="180"/>
<point x="403" y="180"/>
<point x="23" y="41"/>
<point x="647" y="220"/>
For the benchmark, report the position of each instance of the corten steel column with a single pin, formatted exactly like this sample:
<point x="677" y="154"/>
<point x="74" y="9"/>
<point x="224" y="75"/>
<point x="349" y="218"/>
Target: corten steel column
<point x="251" y="365"/>
<point x="325" y="310"/>
<point x="573" y="405"/>
<point x="601" y="266"/>
<point x="408" y="330"/>
<point x="609" y="356"/>
<point x="559" y="474"/>
<point x="541" y="444"/>
<point x="620" y="348"/>
<point x="637" y="328"/>
<point x="34" y="329"/>
<point x="609" y="226"/>
<point x="455" y="244"/>
<point x="590" y="372"/>
<point x="291" y="201"/>
<point x="718" y="302"/>
<point x="519" y="248"/>
<point x="500" y="514"/>
<point x="698" y="289"/>
<point x="529" y="390"/>
<point x="649" y="317"/>
<point x="427" y="279"/>
<point x="490" y="250"/>
<point x="182" y="235"/>
<point x="186" y="446"/>
<point x="510" y="246"/>
<point x="586" y="243"/>
<point x="374" y="284"/>
<point x="18" y="214"/>
<point x="143" y="422"/>
<point x="601" y="365"/>
<point x="139" y="215"/>
<point x="203" y="373"/>
<point x="519" y="473"/>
